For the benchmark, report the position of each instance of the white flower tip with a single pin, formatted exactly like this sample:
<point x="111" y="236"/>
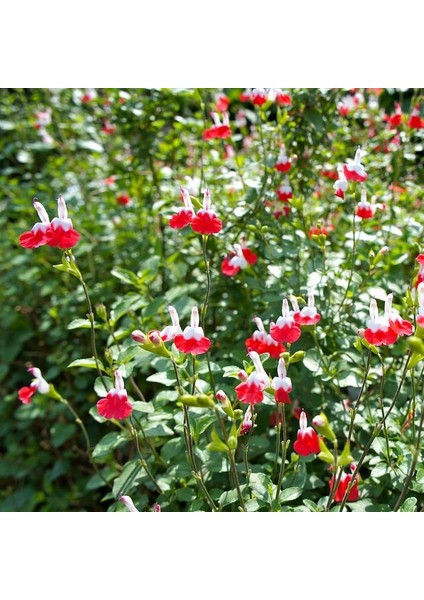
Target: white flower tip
<point x="129" y="503"/>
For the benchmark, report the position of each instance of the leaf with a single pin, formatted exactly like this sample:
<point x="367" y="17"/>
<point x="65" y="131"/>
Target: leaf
<point x="217" y="445"/>
<point x="88" y="363"/>
<point x="228" y="498"/>
<point x="290" y="494"/>
<point x="261" y="486"/>
<point x="126" y="276"/>
<point x="158" y="430"/>
<point x="110" y="442"/>
<point x="166" y="378"/>
<point x="311" y="505"/>
<point x="143" y="407"/>
<point x="82" y="324"/>
<point x="410" y="505"/>
<point x="61" y="432"/>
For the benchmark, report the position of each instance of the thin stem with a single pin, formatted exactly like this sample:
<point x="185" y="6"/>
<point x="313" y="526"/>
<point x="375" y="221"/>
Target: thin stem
<point x="247" y="468"/>
<point x="140" y="457"/>
<point x="205" y="305"/>
<point x="352" y="267"/>
<point x="277" y="438"/>
<point x="376" y="431"/>
<point x="284" y="446"/>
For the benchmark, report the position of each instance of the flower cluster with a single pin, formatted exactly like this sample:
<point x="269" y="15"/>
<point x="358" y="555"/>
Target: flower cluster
<point x="58" y="233"/>
<point x="205" y="221"/>
<point x="259" y="96"/>
<point x="262" y="342"/>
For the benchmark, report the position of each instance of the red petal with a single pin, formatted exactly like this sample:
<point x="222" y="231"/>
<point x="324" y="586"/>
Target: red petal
<point x="287" y="333"/>
<point x="191" y="345"/>
<point x="181" y="219"/>
<point x="282" y="396"/>
<point x="283" y="167"/>
<point x="206" y="224"/>
<point x="249" y="393"/>
<point x="26" y="393"/>
<point x="62" y="239"/>
<point x="353" y="175"/>
<point x="29" y="239"/>
<point x="250" y="256"/>
<point x="227" y="269"/>
<point x="114" y="406"/>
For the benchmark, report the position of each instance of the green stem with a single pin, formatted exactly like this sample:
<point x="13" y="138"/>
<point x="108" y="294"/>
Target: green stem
<point x="141" y="459"/>
<point x="284" y="446"/>
<point x="277" y="438"/>
<point x="205" y="305"/>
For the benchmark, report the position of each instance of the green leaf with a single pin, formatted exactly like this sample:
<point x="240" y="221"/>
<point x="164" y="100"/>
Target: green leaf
<point x="217" y="445"/>
<point x="311" y="505"/>
<point x="143" y="407"/>
<point x="83" y="324"/>
<point x="61" y="432"/>
<point x="290" y="494"/>
<point x="166" y="378"/>
<point x="126" y="276"/>
<point x="228" y="498"/>
<point x="110" y="442"/>
<point x="158" y="430"/>
<point x="261" y="486"/>
<point x="88" y="363"/>
<point x="410" y="505"/>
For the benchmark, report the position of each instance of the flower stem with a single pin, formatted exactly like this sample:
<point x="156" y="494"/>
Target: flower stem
<point x="284" y="446"/>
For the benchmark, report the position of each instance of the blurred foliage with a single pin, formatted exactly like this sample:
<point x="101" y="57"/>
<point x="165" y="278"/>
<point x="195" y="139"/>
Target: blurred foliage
<point x="135" y="265"/>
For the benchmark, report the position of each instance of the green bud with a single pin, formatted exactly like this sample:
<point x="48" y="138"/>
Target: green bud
<point x="345" y="458"/>
<point x="416" y="344"/>
<point x="325" y="453"/>
<point x="200" y="401"/>
<point x="232" y="442"/>
<point x="101" y="311"/>
<point x="297" y="356"/>
<point x="321" y="424"/>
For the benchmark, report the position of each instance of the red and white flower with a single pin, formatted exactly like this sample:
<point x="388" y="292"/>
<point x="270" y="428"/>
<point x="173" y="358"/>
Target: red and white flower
<point x="108" y="127"/>
<point x="420" y="275"/>
<point x="307" y="440"/>
<point x="286" y="329"/>
<point x="220" y="129"/>
<point x="115" y="405"/>
<point x="123" y="199"/>
<point x="259" y="96"/>
<point x="184" y="215"/>
<point x="345" y="480"/>
<point x="415" y="121"/>
<point x="396" y="119"/>
<point x="340" y="186"/>
<point x="246" y="95"/>
<point x="222" y="102"/>
<point x="283" y="163"/>
<point x="379" y="331"/>
<point x="247" y="424"/>
<point x="170" y="331"/>
<point x="240" y="258"/>
<point x="206" y="221"/>
<point x="282" y="384"/>
<point x="192" y="340"/>
<point x="38" y="384"/>
<point x="251" y="391"/>
<point x="309" y="314"/>
<point x="61" y="233"/>
<point x="261" y="341"/>
<point x="365" y="209"/>
<point x="353" y="169"/>
<point x="397" y="324"/>
<point x="43" y="118"/>
<point x="281" y="97"/>
<point x="285" y="192"/>
<point x="420" y="315"/>
<point x="38" y="234"/>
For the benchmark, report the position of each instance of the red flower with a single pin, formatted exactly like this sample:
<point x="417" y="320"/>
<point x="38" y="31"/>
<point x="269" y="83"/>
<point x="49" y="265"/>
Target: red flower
<point x="262" y="342"/>
<point x="185" y="215"/>
<point x="353" y="169"/>
<point x="309" y="314"/>
<point x="170" y="331"/>
<point x="123" y="199"/>
<point x="251" y="391"/>
<point x="420" y="316"/>
<point x="345" y="480"/>
<point x="307" y="440"/>
<point x="115" y="405"/>
<point x="259" y="96"/>
<point x="285" y="192"/>
<point x="396" y="119"/>
<point x="108" y="127"/>
<point x="340" y="186"/>
<point x="365" y="209"/>
<point x="283" y="163"/>
<point x="420" y="275"/>
<point x="218" y="130"/>
<point x="315" y="230"/>
<point x="286" y="329"/>
<point x="379" y="331"/>
<point x="61" y="232"/>
<point x="37" y="236"/>
<point x="397" y="324"/>
<point x="38" y="384"/>
<point x="206" y="222"/>
<point x="282" y="384"/>
<point x="192" y="340"/>
<point x="415" y="121"/>
<point x="240" y="258"/>
<point x="222" y="102"/>
<point x="283" y="98"/>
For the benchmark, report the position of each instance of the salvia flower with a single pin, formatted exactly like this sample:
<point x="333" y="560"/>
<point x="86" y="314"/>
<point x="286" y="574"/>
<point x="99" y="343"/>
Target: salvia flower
<point x="222" y="102"/>
<point x="345" y="480"/>
<point x="353" y="169"/>
<point x="246" y="95"/>
<point x="43" y="118"/>
<point x="170" y="331"/>
<point x="396" y="119"/>
<point x="340" y="186"/>
<point x="318" y="230"/>
<point x="307" y="440"/>
<point x="397" y="324"/>
<point x="283" y="163"/>
<point x="365" y="209"/>
<point x="206" y="221"/>
<point x="247" y="424"/>
<point x="61" y="232"/>
<point x="251" y="391"/>
<point x="38" y="234"/>
<point x="379" y="331"/>
<point x="115" y="405"/>
<point x="309" y="314"/>
<point x="420" y="275"/>
<point x="282" y="384"/>
<point x="286" y="329"/>
<point x="192" y="340"/>
<point x="282" y="98"/>
<point x="220" y="129"/>
<point x="185" y="214"/>
<point x="259" y="96"/>
<point x="38" y="384"/>
<point x="240" y="258"/>
<point x="420" y="315"/>
<point x="129" y="503"/>
<point x="415" y="121"/>
<point x="261" y="341"/>
<point x="123" y="199"/>
<point x="108" y="127"/>
<point x="285" y="192"/>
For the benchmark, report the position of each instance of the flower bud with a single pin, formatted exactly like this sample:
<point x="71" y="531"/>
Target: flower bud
<point x="222" y="397"/>
<point x="139" y="336"/>
<point x="156" y="507"/>
<point x="242" y="375"/>
<point x="321" y="424"/>
<point x="154" y="337"/>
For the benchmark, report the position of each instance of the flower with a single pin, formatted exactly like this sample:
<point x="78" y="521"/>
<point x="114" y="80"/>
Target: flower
<point x="262" y="342"/>
<point x="283" y="163"/>
<point x="89" y="95"/>
<point x="340" y="186"/>
<point x="61" y="233"/>
<point x="259" y="96"/>
<point x="123" y="199"/>
<point x="282" y="98"/>
<point x="169" y="332"/>
<point x="129" y="503"/>
<point x="307" y="440"/>
<point x="108" y="127"/>
<point x="345" y="480"/>
<point x="38" y="384"/>
<point x="206" y="222"/>
<point x="222" y="102"/>
<point x="420" y="316"/>
<point x="395" y="119"/>
<point x="251" y="391"/>
<point x="353" y="169"/>
<point x="43" y="118"/>
<point x="317" y="230"/>
<point x="115" y="405"/>
<point x="184" y="215"/>
<point x="37" y="236"/>
<point x="379" y="331"/>
<point x="246" y="95"/>
<point x="415" y="121"/>
<point x="219" y="129"/>
<point x="397" y="324"/>
<point x="240" y="258"/>
<point x="286" y="329"/>
<point x="282" y="384"/>
<point x="247" y="423"/>
<point x="309" y="314"/>
<point x="192" y="340"/>
<point x="420" y="275"/>
<point x="285" y="191"/>
<point x="349" y="103"/>
<point x="365" y="209"/>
